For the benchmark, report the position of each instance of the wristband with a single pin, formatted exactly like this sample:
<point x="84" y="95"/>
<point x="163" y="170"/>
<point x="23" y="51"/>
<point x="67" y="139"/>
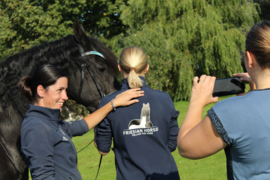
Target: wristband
<point x="113" y="105"/>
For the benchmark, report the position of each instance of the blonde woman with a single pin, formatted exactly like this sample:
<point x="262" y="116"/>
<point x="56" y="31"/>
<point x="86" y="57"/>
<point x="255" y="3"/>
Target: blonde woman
<point x="145" y="133"/>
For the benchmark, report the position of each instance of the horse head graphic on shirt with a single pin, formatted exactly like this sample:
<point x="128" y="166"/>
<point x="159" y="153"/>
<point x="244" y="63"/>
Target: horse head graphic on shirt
<point x="144" y="121"/>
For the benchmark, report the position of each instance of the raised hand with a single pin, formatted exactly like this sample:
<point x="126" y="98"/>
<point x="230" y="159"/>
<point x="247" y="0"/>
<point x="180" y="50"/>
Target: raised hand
<point x="202" y="90"/>
<point x="127" y="98"/>
<point x="246" y="77"/>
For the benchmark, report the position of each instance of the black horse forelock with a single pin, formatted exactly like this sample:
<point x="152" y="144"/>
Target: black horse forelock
<point x="62" y="53"/>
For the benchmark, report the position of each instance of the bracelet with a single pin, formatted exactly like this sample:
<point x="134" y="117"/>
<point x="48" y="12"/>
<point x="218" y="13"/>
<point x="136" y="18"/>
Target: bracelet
<point x="114" y="108"/>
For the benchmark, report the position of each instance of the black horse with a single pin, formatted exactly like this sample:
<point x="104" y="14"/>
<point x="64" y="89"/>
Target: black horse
<point x="65" y="53"/>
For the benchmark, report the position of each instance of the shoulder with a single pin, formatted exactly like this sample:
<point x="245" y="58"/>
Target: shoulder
<point x="160" y="94"/>
<point x="29" y="122"/>
<point x="35" y="125"/>
<point x="109" y="97"/>
<point x="231" y="104"/>
<point x="231" y="112"/>
<point x="234" y="117"/>
<point x="155" y="91"/>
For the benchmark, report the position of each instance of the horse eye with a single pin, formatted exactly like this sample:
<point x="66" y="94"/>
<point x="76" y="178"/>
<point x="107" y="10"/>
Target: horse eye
<point x="102" y="69"/>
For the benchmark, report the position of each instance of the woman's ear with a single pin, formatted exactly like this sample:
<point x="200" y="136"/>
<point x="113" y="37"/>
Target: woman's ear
<point x="146" y="69"/>
<point x="40" y="91"/>
<point x="250" y="60"/>
<point x="119" y="68"/>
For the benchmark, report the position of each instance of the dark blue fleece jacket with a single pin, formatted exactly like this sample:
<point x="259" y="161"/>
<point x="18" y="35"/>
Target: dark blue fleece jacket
<point x="144" y="135"/>
<point x="46" y="144"/>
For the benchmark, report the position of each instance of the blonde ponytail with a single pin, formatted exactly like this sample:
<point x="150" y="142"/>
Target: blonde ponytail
<point x="133" y="61"/>
<point x="133" y="80"/>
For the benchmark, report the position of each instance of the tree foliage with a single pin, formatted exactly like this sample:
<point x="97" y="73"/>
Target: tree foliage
<point x="264" y="9"/>
<point x="187" y="38"/>
<point x="183" y="38"/>
<point x="31" y="22"/>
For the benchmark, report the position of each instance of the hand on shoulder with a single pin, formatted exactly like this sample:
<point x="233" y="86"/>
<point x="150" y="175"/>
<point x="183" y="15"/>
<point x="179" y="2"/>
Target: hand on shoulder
<point x="127" y="97"/>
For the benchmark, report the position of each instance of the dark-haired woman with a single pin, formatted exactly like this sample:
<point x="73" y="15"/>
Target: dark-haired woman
<point x="241" y="124"/>
<point x="45" y="140"/>
<point x="145" y="133"/>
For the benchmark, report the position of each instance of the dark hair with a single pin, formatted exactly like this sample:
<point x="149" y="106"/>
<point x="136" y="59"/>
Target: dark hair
<point x="45" y="75"/>
<point x="258" y="43"/>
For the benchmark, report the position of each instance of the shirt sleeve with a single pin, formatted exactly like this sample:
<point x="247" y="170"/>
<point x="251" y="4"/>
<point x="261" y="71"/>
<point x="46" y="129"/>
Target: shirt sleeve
<point x="75" y="128"/>
<point x="103" y="134"/>
<point x="37" y="147"/>
<point x="219" y="126"/>
<point x="174" y="128"/>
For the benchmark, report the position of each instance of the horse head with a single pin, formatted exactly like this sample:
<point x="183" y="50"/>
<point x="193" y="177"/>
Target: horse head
<point x="65" y="53"/>
<point x="84" y="87"/>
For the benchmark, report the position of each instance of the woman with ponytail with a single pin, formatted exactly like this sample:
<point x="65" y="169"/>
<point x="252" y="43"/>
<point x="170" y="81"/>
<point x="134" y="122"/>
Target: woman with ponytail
<point x="240" y="125"/>
<point x="144" y="133"/>
<point x="45" y="140"/>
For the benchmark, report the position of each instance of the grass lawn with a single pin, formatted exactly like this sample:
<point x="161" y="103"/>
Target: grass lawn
<point x="213" y="167"/>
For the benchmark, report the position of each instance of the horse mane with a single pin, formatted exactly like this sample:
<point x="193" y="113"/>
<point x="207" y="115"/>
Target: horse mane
<point x="62" y="53"/>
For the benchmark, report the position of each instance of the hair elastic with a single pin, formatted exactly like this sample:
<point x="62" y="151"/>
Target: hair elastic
<point x="132" y="68"/>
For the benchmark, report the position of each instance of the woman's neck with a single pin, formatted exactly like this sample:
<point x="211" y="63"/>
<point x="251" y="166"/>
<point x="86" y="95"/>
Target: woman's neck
<point x="262" y="79"/>
<point x="126" y="75"/>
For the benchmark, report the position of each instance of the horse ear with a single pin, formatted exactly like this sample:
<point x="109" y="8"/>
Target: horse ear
<point x="80" y="35"/>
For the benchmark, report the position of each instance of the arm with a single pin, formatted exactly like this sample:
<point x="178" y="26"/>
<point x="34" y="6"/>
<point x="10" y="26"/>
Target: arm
<point x="196" y="138"/>
<point x="102" y="153"/>
<point x="103" y="137"/>
<point x="37" y="147"/>
<point x="123" y="99"/>
<point x="103" y="134"/>
<point x="174" y="129"/>
<point x="74" y="128"/>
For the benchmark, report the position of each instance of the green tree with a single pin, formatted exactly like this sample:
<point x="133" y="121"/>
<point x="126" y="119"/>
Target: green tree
<point x="103" y="18"/>
<point x="186" y="38"/>
<point x="264" y="9"/>
<point x="24" y="25"/>
<point x="32" y="22"/>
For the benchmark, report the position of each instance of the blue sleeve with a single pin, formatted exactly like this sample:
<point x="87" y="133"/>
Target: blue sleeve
<point x="218" y="125"/>
<point x="75" y="128"/>
<point x="103" y="134"/>
<point x="227" y="120"/>
<point x="174" y="128"/>
<point x="37" y="147"/>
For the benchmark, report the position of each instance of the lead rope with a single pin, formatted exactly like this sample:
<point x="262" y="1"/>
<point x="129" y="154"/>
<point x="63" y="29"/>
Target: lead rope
<point x="102" y="95"/>
<point x="17" y="169"/>
<point x="85" y="146"/>
<point x="99" y="160"/>
<point x="99" y="166"/>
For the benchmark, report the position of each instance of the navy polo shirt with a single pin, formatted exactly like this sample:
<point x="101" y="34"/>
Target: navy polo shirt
<point x="144" y="135"/>
<point x="46" y="144"/>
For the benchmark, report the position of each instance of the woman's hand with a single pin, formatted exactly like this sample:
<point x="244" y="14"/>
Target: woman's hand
<point x="198" y="138"/>
<point x="202" y="90"/>
<point x="245" y="77"/>
<point x="102" y="153"/>
<point x="127" y="98"/>
<point x="123" y="99"/>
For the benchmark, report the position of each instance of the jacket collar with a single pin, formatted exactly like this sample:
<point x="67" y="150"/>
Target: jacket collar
<point x="52" y="115"/>
<point x="126" y="86"/>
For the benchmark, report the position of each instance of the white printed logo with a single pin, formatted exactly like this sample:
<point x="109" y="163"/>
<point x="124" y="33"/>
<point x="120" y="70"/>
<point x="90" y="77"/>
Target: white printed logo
<point x="142" y="126"/>
<point x="64" y="138"/>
